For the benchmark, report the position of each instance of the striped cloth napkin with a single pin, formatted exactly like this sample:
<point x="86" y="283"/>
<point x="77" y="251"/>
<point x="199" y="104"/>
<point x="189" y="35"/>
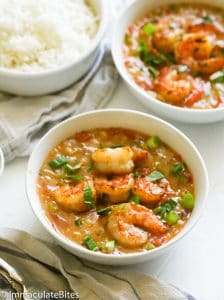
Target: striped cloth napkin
<point x="24" y="119"/>
<point x="32" y="269"/>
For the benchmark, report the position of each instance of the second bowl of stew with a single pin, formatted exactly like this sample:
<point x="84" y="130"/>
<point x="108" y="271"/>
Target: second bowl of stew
<point x="171" y="55"/>
<point x="116" y="194"/>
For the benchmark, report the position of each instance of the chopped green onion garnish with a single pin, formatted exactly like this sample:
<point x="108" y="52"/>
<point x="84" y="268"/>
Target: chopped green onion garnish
<point x="149" y="29"/>
<point x="153" y="71"/>
<point x="182" y="68"/>
<point x="165" y="208"/>
<point x="135" y="199"/>
<point x="169" y="58"/>
<point x="207" y="19"/>
<point x="58" y="162"/>
<point x="150" y="246"/>
<point x="90" y="165"/>
<point x="218" y="77"/>
<point x="187" y="201"/>
<point x="88" y="197"/>
<point x="143" y="46"/>
<point x="182" y="178"/>
<point x="172" y="202"/>
<point x="153" y="142"/>
<point x="71" y="169"/>
<point x="90" y="244"/>
<point x="78" y="222"/>
<point x="76" y="177"/>
<point x="172" y="217"/>
<point x="136" y="174"/>
<point x="104" y="211"/>
<point x="150" y="58"/>
<point x="155" y="175"/>
<point x="177" y="169"/>
<point x="110" y="245"/>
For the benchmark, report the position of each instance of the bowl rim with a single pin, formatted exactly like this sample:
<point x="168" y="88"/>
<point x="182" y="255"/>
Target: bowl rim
<point x="2" y="162"/>
<point x="95" y="42"/>
<point x="114" y="258"/>
<point x="117" y="57"/>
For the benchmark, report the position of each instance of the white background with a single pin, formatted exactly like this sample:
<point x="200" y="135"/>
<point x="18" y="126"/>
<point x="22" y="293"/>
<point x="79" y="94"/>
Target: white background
<point x="197" y="263"/>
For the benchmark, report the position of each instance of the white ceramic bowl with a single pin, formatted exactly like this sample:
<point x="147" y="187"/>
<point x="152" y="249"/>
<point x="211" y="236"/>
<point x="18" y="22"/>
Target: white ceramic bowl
<point x="49" y="81"/>
<point x="130" y="14"/>
<point x="1" y="162"/>
<point x="131" y="120"/>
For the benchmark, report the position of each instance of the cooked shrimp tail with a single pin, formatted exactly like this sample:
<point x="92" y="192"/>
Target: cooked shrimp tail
<point x="130" y="223"/>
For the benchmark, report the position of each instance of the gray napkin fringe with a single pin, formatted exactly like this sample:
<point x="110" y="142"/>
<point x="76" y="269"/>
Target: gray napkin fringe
<point x="39" y="266"/>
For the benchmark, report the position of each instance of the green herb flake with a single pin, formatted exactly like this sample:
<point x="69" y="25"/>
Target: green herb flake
<point x="150" y="58"/>
<point x="150" y="246"/>
<point x="149" y="29"/>
<point x="71" y="169"/>
<point x="218" y="77"/>
<point x="153" y="142"/>
<point x="169" y="58"/>
<point x="136" y="174"/>
<point x="207" y="19"/>
<point x="110" y="245"/>
<point x="177" y="169"/>
<point x="88" y="197"/>
<point x="90" y="165"/>
<point x="78" y="222"/>
<point x="143" y="46"/>
<point x="153" y="71"/>
<point x="90" y="244"/>
<point x="154" y="176"/>
<point x="76" y="177"/>
<point x="58" y="162"/>
<point x="104" y="211"/>
<point x="136" y="199"/>
<point x="165" y="208"/>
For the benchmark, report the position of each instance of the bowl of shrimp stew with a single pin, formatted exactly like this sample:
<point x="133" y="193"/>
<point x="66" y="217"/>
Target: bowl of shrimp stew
<point x="116" y="195"/>
<point x="171" y="55"/>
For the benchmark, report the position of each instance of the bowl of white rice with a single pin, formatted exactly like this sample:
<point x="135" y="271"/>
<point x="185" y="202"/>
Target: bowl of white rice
<point x="45" y="46"/>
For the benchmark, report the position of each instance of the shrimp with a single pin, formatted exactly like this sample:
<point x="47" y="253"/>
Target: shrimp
<point x="129" y="224"/>
<point x="151" y="192"/>
<point x="205" y="27"/>
<point x="166" y="36"/>
<point x="117" y="189"/>
<point x="139" y="154"/>
<point x="196" y="50"/>
<point x="71" y="197"/>
<point x="172" y="85"/>
<point x="113" y="161"/>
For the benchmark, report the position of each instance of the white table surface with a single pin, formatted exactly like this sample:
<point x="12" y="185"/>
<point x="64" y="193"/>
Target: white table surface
<point x="197" y="263"/>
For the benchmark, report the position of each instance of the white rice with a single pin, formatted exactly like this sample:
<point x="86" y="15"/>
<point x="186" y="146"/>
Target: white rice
<point x="44" y="34"/>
